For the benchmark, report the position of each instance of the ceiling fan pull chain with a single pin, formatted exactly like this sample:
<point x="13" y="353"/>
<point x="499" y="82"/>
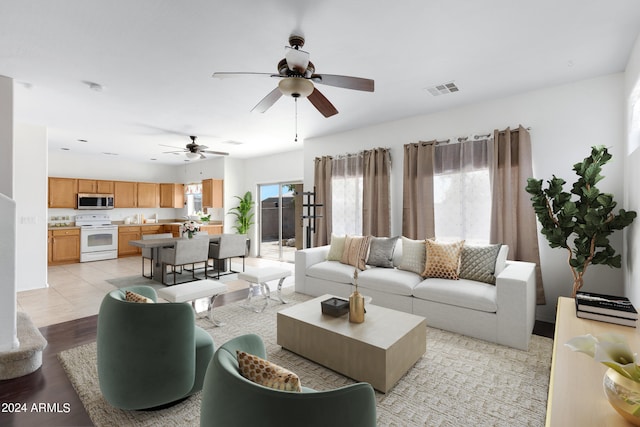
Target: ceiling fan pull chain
<point x="296" y="120"/>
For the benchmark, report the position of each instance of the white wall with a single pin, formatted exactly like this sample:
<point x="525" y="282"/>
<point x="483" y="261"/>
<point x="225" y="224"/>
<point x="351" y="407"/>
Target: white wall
<point x="631" y="260"/>
<point x="30" y="163"/>
<point x="565" y="120"/>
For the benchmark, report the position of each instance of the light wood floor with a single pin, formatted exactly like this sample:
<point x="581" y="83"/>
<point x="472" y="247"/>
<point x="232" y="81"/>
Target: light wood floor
<point x="76" y="290"/>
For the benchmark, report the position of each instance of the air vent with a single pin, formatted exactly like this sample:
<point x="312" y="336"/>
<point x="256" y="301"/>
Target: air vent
<point x="443" y="89"/>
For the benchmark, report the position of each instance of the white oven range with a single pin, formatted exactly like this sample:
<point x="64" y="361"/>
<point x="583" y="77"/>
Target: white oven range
<point x="98" y="237"/>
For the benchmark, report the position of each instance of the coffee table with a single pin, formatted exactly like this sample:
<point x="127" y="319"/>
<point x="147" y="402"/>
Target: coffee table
<point x="379" y="351"/>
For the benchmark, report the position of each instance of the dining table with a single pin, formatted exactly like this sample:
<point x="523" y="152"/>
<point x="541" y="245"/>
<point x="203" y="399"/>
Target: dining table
<point x="157" y="245"/>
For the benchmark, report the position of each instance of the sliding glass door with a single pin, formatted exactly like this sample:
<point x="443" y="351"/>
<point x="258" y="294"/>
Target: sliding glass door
<point x="279" y="220"/>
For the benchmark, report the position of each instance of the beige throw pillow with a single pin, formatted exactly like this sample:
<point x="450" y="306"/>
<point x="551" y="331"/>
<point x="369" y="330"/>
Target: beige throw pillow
<point x="355" y="251"/>
<point x="265" y="373"/>
<point x="134" y="297"/>
<point x="443" y="259"/>
<point x="337" y="248"/>
<point x="413" y="255"/>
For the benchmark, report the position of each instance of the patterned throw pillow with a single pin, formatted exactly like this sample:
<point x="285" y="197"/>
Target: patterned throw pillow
<point x="478" y="263"/>
<point x="443" y="259"/>
<point x="381" y="251"/>
<point x="337" y="248"/>
<point x="413" y="255"/>
<point x="265" y="373"/>
<point x="355" y="251"/>
<point x="134" y="297"/>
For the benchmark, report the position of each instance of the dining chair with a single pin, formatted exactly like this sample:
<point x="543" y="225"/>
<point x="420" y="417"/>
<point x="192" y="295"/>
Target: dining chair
<point x="228" y="246"/>
<point x="147" y="253"/>
<point x="185" y="252"/>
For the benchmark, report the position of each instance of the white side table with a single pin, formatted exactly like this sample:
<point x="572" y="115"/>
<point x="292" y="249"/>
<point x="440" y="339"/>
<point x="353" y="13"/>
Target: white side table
<point x="191" y="291"/>
<point x="258" y="282"/>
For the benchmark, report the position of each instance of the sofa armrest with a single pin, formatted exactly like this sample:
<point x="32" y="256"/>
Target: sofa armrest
<point x="516" y="300"/>
<point x="304" y="259"/>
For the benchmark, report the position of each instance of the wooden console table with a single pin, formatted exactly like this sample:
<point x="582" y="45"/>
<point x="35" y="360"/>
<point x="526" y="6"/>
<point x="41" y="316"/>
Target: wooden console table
<point x="576" y="396"/>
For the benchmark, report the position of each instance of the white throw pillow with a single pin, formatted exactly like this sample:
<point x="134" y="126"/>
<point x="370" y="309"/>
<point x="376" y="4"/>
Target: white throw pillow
<point x="337" y="248"/>
<point x="414" y="255"/>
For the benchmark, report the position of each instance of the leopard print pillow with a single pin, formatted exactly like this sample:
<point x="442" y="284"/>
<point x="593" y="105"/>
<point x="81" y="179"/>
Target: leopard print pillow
<point x="134" y="297"/>
<point x="265" y="373"/>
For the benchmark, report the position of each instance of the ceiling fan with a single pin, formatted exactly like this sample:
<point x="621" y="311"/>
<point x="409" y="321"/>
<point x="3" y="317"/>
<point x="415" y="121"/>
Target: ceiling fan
<point x="297" y="77"/>
<point x="194" y="151"/>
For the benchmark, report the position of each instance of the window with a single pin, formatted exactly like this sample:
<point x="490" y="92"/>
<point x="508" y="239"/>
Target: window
<point x="193" y="196"/>
<point x="346" y="195"/>
<point x="462" y="192"/>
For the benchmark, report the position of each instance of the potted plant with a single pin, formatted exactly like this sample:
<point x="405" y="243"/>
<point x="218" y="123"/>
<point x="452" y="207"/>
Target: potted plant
<point x="584" y="215"/>
<point x="244" y="216"/>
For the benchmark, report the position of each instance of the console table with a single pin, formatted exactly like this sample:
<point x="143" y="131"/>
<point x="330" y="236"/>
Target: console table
<point x="576" y="396"/>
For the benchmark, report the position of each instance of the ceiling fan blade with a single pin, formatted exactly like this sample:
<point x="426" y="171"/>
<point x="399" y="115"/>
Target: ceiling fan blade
<point x="347" y="82"/>
<point x="171" y="146"/>
<point x="173" y="152"/>
<point x="227" y="75"/>
<point x="201" y="147"/>
<point x="322" y="103"/>
<point x="218" y="153"/>
<point x="268" y="101"/>
<point x="202" y="156"/>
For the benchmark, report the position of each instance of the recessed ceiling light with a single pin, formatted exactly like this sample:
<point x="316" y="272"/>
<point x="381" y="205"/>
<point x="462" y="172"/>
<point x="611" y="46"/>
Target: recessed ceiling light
<point x="82" y="140"/>
<point x="153" y="159"/>
<point x="94" y="86"/>
<point x="232" y="142"/>
<point x="65" y="149"/>
<point x="110" y="154"/>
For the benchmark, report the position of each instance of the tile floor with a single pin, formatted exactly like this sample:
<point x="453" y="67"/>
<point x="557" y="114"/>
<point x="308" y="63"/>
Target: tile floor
<point x="76" y="290"/>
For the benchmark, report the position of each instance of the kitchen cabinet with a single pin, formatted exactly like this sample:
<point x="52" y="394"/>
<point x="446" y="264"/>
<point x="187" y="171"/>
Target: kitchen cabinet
<point x="125" y="234"/>
<point x="63" y="193"/>
<point x="212" y="193"/>
<point x="65" y="246"/>
<point x="148" y="195"/>
<point x="173" y="229"/>
<point x="151" y="229"/>
<point x="95" y="186"/>
<point x="125" y="194"/>
<point x="212" y="228"/>
<point x="171" y="195"/>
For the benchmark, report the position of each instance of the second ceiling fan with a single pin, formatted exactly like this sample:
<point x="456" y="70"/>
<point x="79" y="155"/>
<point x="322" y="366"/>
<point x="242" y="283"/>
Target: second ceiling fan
<point x="297" y="77"/>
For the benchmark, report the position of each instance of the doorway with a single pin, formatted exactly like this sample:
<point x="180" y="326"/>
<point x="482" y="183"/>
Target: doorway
<point x="280" y="220"/>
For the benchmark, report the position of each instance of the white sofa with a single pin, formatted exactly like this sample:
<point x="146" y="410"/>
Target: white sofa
<point x="503" y="313"/>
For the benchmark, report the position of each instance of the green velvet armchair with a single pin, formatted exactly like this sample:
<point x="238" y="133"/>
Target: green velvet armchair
<point x="149" y="355"/>
<point x="229" y="399"/>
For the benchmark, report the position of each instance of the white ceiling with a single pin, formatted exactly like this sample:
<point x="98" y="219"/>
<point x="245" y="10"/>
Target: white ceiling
<point x="155" y="59"/>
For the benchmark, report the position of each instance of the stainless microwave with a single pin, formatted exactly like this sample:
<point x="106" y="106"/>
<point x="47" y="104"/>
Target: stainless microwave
<point x="95" y="201"/>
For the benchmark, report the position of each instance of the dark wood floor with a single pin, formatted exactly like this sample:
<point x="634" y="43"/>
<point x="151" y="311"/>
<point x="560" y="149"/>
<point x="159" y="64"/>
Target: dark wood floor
<point x="49" y="385"/>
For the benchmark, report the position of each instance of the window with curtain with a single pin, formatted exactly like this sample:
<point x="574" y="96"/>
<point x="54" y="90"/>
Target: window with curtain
<point x="462" y="192"/>
<point x="346" y="187"/>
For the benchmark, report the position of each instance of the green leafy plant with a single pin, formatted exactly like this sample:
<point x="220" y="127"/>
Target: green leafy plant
<point x="244" y="216"/>
<point x="585" y="214"/>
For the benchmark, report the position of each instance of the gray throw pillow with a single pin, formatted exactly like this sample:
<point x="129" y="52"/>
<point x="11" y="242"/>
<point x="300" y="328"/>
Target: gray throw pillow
<point x="478" y="263"/>
<point x="381" y="251"/>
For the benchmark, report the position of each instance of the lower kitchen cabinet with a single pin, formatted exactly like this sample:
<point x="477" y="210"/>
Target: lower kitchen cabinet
<point x="64" y="246"/>
<point x="125" y="234"/>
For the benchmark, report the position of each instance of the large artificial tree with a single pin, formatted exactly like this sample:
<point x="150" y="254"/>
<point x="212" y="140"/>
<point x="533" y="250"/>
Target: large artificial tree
<point x="582" y="220"/>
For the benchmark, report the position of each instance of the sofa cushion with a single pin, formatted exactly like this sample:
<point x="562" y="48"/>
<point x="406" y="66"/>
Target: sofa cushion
<point x="462" y="293"/>
<point x="381" y="251"/>
<point x="265" y="373"/>
<point x="337" y="248"/>
<point x="355" y="251"/>
<point x="413" y="255"/>
<point x="134" y="297"/>
<point x="333" y="271"/>
<point x="501" y="260"/>
<point x="479" y="262"/>
<point x="389" y="280"/>
<point x="443" y="259"/>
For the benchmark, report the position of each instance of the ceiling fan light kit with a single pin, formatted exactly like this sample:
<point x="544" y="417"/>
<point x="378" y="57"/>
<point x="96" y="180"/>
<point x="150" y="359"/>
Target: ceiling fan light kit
<point x="296" y="87"/>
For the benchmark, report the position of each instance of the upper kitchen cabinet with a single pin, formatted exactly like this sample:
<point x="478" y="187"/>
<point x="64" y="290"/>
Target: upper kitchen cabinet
<point x="171" y="195"/>
<point x="95" y="186"/>
<point x="126" y="194"/>
<point x="212" y="193"/>
<point x="148" y="195"/>
<point x="63" y="193"/>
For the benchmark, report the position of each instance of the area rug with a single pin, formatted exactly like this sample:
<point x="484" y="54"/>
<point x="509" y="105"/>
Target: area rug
<point x="459" y="381"/>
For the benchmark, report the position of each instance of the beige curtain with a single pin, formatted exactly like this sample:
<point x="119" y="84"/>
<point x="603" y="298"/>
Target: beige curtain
<point x="376" y="220"/>
<point x="417" y="191"/>
<point x="513" y="220"/>
<point x="322" y="179"/>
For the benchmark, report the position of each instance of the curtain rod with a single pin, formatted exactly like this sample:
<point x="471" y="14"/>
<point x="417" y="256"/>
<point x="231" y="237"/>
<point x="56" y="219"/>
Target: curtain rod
<point x="466" y="138"/>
